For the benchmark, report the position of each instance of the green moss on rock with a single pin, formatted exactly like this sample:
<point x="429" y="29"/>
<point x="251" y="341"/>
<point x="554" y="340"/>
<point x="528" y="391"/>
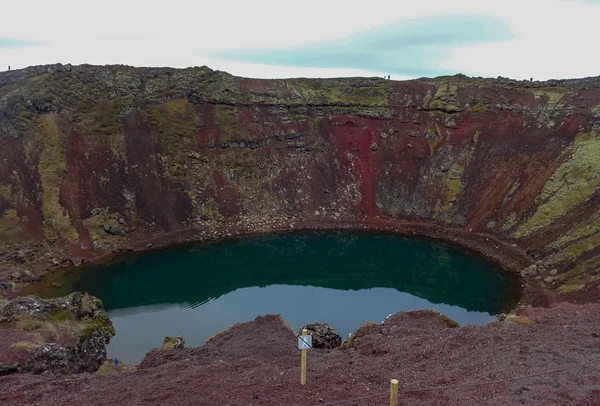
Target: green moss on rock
<point x="579" y="240"/>
<point x="446" y="98"/>
<point x="510" y="222"/>
<point x="106" y="123"/>
<point x="226" y="121"/>
<point x="98" y="225"/>
<point x="449" y="322"/>
<point x="47" y="141"/>
<point x="571" y="184"/>
<point x="581" y="274"/>
<point x="177" y="124"/>
<point x="520" y="320"/>
<point x="478" y="109"/>
<point x="12" y="228"/>
<point x="552" y="95"/>
<point x="6" y="191"/>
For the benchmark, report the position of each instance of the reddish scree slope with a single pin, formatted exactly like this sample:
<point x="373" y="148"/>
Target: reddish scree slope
<point x="257" y="364"/>
<point x="118" y="156"/>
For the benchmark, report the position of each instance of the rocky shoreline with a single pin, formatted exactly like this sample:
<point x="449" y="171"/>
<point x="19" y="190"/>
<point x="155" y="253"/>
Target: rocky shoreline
<point x="537" y="288"/>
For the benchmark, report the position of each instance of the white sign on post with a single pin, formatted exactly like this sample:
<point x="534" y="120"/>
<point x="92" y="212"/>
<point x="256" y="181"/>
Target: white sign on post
<point x="304" y="342"/>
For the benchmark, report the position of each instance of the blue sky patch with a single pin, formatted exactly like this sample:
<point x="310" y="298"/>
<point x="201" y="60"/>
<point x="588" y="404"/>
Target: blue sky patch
<point x="8" y="42"/>
<point x="413" y="47"/>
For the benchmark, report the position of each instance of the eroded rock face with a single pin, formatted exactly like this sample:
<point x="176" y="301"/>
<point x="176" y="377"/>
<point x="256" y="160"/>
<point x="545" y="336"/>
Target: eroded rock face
<point x="517" y="160"/>
<point x="323" y="335"/>
<point x="61" y="336"/>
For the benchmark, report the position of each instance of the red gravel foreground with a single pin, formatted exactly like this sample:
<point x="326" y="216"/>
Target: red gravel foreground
<point x="257" y="363"/>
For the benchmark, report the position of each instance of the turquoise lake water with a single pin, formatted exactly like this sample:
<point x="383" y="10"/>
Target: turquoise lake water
<point x="342" y="278"/>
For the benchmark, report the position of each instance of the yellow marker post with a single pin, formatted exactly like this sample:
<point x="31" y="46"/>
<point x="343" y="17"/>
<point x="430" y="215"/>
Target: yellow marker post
<point x="303" y="361"/>
<point x="393" y="392"/>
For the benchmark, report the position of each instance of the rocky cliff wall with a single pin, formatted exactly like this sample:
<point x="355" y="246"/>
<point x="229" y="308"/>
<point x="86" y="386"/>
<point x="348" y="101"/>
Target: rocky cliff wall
<point x="107" y="156"/>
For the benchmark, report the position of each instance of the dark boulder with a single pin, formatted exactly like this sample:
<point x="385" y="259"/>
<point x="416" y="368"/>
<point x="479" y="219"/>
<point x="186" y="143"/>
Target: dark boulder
<point x="323" y="335"/>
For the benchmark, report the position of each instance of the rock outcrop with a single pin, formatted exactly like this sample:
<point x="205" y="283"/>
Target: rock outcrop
<point x="61" y="336"/>
<point x="87" y="150"/>
<point x="323" y="335"/>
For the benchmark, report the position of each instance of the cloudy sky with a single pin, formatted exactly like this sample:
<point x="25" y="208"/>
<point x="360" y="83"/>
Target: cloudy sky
<point x="313" y="38"/>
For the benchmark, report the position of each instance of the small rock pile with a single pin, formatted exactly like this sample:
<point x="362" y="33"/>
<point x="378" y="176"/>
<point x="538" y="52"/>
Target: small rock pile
<point x="323" y="335"/>
<point x="537" y="270"/>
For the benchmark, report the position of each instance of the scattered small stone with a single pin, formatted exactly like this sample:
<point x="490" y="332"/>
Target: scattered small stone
<point x="549" y="279"/>
<point x="374" y="147"/>
<point x="553" y="272"/>
<point x="445" y="166"/>
<point x="149" y="245"/>
<point x="531" y="270"/>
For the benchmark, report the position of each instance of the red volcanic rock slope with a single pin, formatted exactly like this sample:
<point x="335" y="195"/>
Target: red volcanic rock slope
<point x="258" y="363"/>
<point x="97" y="159"/>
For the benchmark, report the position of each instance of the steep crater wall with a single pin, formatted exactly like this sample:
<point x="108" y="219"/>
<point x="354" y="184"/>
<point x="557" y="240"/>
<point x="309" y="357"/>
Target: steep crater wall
<point x="96" y="158"/>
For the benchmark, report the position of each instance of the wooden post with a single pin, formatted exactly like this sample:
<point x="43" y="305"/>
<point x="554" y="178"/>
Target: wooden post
<point x="303" y="362"/>
<point x="393" y="392"/>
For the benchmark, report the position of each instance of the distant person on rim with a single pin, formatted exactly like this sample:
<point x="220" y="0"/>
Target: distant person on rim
<point x="9" y="68"/>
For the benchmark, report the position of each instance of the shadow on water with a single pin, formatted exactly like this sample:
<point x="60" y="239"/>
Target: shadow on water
<point x="333" y="272"/>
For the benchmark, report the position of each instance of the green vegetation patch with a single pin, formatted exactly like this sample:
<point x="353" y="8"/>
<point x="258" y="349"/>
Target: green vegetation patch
<point x="96" y="227"/>
<point x="553" y="95"/>
<point x="47" y="140"/>
<point x="453" y="188"/>
<point x="579" y="240"/>
<point x="6" y="191"/>
<point x="446" y="98"/>
<point x="210" y="209"/>
<point x="520" y="320"/>
<point x="12" y="228"/>
<point x="596" y="111"/>
<point x="106" y="123"/>
<point x="177" y="124"/>
<point x="478" y="109"/>
<point x="226" y="122"/>
<point x="101" y="323"/>
<point x="511" y="192"/>
<point x="570" y="185"/>
<point x="169" y="343"/>
<point x="311" y="92"/>
<point x="434" y="135"/>
<point x="449" y="322"/>
<point x="25" y="345"/>
<point x="510" y="222"/>
<point x="576" y="279"/>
